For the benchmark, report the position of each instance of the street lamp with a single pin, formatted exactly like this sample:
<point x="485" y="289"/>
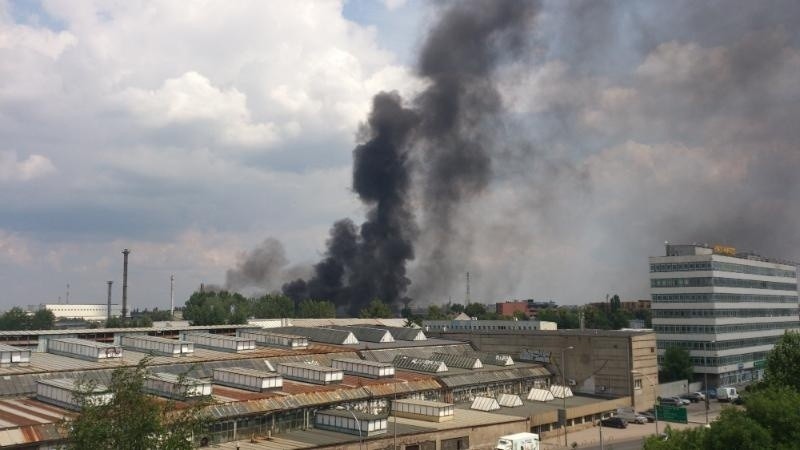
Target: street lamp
<point x="564" y="390"/>
<point x="655" y="407"/>
<point x="705" y="374"/>
<point x="358" y="424"/>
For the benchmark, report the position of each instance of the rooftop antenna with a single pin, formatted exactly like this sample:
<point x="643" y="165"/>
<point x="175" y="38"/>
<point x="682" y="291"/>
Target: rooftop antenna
<point x="67" y="293"/>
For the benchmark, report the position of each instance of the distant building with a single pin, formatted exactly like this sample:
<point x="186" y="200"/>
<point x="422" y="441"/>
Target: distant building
<point x="92" y="312"/>
<point x="486" y="325"/>
<point x="528" y="307"/>
<point x="631" y="306"/>
<point x="726" y="308"/>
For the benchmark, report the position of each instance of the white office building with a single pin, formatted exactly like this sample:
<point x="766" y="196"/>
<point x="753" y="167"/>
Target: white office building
<point x="726" y="308"/>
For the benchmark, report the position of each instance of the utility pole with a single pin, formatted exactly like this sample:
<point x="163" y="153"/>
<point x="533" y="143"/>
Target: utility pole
<point x="109" y="298"/>
<point x="125" y="253"/>
<point x="468" y="299"/>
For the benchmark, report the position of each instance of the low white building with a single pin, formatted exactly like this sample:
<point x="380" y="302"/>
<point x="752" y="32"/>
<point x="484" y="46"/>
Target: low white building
<point x="88" y="311"/>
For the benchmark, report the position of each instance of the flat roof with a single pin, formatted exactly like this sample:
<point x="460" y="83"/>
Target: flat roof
<point x="312" y="438"/>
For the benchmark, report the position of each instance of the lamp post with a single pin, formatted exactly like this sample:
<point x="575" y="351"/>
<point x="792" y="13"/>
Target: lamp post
<point x="705" y="376"/>
<point x="655" y="407"/>
<point x="358" y="424"/>
<point x="564" y="391"/>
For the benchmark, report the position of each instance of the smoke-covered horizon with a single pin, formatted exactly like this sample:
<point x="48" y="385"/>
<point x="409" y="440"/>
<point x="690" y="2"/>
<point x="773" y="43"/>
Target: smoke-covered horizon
<point x="554" y="147"/>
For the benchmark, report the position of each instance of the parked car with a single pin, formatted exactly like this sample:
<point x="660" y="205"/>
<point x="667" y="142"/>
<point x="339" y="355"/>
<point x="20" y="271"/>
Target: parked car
<point x="710" y="393"/>
<point x="672" y="401"/>
<point x="684" y="401"/>
<point x="650" y="415"/>
<point x="727" y="394"/>
<point x="630" y="416"/>
<point x="695" y="397"/>
<point x="614" y="422"/>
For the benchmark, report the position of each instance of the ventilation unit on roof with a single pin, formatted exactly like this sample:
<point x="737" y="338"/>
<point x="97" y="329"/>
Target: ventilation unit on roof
<point x="464" y="362"/>
<point x="158" y="345"/>
<point x="275" y="339"/>
<point x="170" y="385"/>
<point x="359" y="367"/>
<point x="14" y="356"/>
<point x="368" y="334"/>
<point x="423" y="410"/>
<point x="83" y="349"/>
<point x="509" y="400"/>
<point x="221" y="342"/>
<point x="485" y="404"/>
<point x="310" y="373"/>
<point x="419" y="364"/>
<point x="248" y="379"/>
<point x="65" y="392"/>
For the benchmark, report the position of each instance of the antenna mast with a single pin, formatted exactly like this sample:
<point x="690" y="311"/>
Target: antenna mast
<point x="468" y="299"/>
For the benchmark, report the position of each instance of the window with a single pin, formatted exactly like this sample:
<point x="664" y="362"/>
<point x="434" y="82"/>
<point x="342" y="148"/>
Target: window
<point x="637" y="383"/>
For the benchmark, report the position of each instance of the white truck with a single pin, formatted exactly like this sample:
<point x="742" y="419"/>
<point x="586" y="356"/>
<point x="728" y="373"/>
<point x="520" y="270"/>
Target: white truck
<point x="727" y="394"/>
<point x="519" y="441"/>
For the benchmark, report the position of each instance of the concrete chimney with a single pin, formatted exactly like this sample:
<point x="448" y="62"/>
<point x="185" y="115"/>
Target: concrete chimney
<point x="109" y="298"/>
<point x="125" y="253"/>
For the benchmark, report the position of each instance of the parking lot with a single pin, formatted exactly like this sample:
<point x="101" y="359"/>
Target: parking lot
<point x="696" y="415"/>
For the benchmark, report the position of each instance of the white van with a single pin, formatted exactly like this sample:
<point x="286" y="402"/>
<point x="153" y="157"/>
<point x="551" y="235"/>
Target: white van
<point x="727" y="394"/>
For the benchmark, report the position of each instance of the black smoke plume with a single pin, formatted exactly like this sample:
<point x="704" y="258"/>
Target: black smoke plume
<point x="443" y="141"/>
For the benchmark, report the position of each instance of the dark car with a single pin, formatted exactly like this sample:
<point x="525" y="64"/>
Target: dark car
<point x="710" y="393"/>
<point x="649" y="415"/>
<point x="614" y="422"/>
<point x="695" y="397"/>
<point x="671" y="401"/>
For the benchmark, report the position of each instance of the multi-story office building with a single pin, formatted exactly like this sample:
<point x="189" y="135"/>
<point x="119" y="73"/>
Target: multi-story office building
<point x="726" y="308"/>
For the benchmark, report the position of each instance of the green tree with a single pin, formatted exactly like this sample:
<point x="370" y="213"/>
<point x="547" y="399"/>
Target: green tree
<point x="435" y="313"/>
<point x="134" y="322"/>
<point x="677" y="365"/>
<point x="564" y="317"/>
<point x="319" y="309"/>
<point x="456" y="308"/>
<point x="783" y="362"/>
<point x="615" y="303"/>
<point x="689" y="439"/>
<point x="376" y="309"/>
<point x="733" y="429"/>
<point x="132" y="420"/>
<point x="475" y="310"/>
<point x="519" y="315"/>
<point x="777" y="409"/>
<point x="15" y="319"/>
<point x="216" y="308"/>
<point x="273" y="306"/>
<point x="43" y="319"/>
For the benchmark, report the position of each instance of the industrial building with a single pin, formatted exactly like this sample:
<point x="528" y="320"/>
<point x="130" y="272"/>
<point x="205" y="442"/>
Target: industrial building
<point x="285" y="396"/>
<point x="91" y="312"/>
<point x="727" y="308"/>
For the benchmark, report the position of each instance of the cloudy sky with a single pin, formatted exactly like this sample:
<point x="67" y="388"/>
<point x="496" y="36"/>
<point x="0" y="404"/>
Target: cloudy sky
<point x="191" y="132"/>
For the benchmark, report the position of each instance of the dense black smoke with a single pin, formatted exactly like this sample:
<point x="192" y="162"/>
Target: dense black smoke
<point x="443" y="141"/>
<point x="370" y="262"/>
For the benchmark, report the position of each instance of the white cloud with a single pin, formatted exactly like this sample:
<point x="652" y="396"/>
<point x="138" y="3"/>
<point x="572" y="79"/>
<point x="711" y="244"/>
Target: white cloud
<point x="14" y="169"/>
<point x="392" y="5"/>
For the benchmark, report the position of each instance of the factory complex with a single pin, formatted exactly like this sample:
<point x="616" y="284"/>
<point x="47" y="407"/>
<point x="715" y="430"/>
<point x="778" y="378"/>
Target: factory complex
<point x="325" y="383"/>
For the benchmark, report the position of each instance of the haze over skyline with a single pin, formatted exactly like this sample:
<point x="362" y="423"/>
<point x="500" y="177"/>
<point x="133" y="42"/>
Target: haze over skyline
<point x="196" y="133"/>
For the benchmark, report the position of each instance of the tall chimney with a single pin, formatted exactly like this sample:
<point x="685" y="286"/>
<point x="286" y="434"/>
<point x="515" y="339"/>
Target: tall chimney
<point x="171" y="297"/>
<point x="109" y="298"/>
<point x="125" y="253"/>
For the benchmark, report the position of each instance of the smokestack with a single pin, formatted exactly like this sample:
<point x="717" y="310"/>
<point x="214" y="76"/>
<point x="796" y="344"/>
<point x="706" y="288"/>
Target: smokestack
<point x="172" y="297"/>
<point x="125" y="253"/>
<point x="109" y="298"/>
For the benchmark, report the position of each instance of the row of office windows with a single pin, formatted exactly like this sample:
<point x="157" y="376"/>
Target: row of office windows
<point x="721" y="345"/>
<point x="723" y="282"/>
<point x="715" y="361"/>
<point x="697" y="313"/>
<point x="723" y="298"/>
<point x="715" y="329"/>
<point x="721" y="266"/>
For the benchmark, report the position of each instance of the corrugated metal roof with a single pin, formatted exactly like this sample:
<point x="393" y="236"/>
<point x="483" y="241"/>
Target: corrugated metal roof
<point x="326" y="335"/>
<point x="368" y="334"/>
<point x="406" y="333"/>
<point x="363" y="361"/>
<point x="419" y="364"/>
<point x="540" y="395"/>
<point x="424" y="352"/>
<point x="249" y="372"/>
<point x="349" y="413"/>
<point x="97" y="331"/>
<point x="495" y="359"/>
<point x="509" y="400"/>
<point x="413" y="401"/>
<point x="310" y="366"/>
<point x="478" y="377"/>
<point x="464" y="362"/>
<point x="393" y="322"/>
<point x="484" y="404"/>
<point x="11" y="348"/>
